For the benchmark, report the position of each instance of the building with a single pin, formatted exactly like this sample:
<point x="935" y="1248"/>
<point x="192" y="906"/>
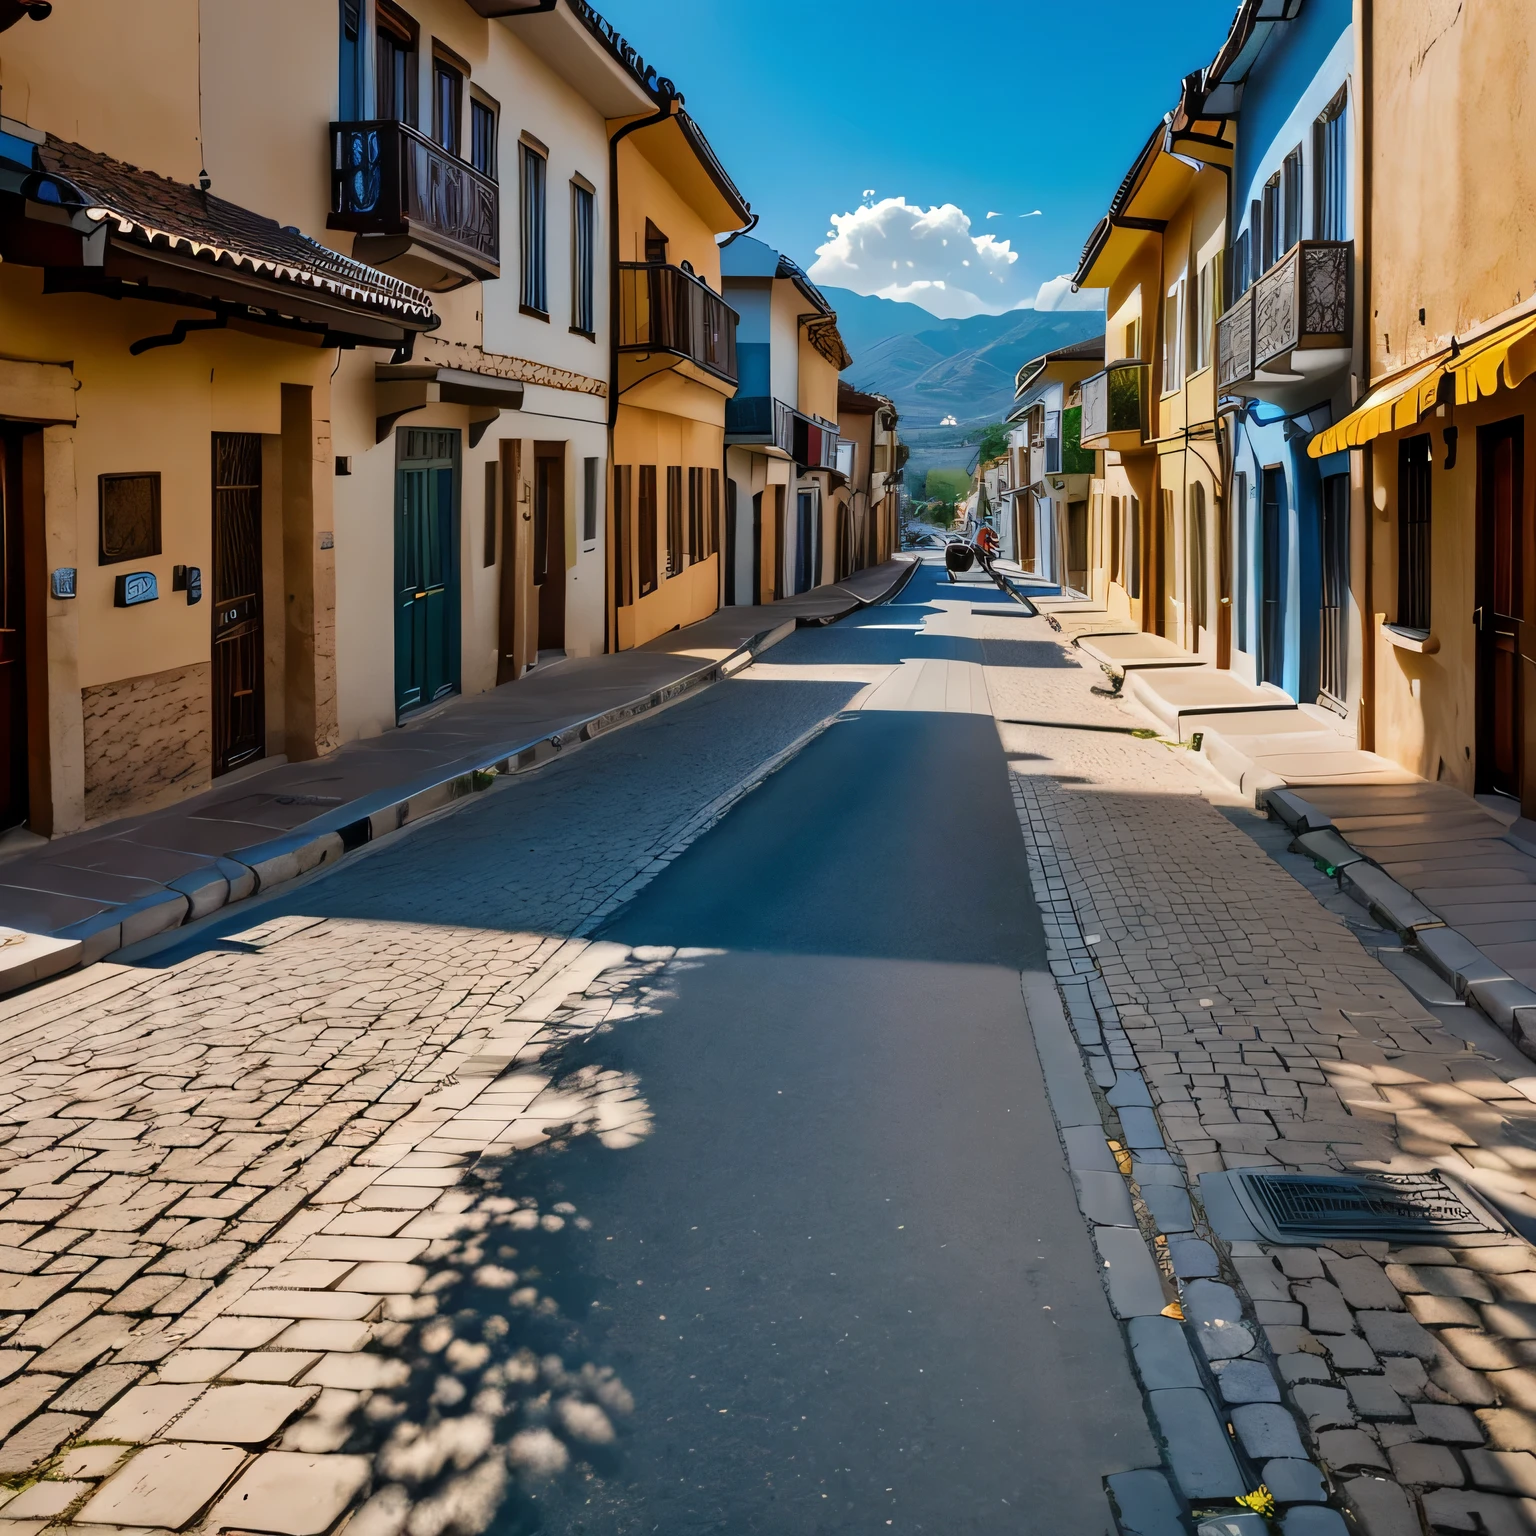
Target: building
<point x="676" y="371"/>
<point x="1047" y="485"/>
<point x="334" y="441"/>
<point x="871" y="457"/>
<point x="789" y="508"/>
<point x="1444" y="530"/>
<point x="1286" y="345"/>
<point x="1157" y="557"/>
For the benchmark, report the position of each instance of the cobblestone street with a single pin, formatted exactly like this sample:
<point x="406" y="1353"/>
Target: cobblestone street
<point x="304" y="1219"/>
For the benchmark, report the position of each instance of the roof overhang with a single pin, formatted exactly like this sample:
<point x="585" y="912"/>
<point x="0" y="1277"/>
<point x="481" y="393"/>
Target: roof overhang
<point x="584" y="51"/>
<point x="678" y="149"/>
<point x="96" y="226"/>
<point x="400" y="388"/>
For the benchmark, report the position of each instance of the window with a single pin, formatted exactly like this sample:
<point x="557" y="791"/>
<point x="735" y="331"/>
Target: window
<point x="655" y="244"/>
<point x="1202" y="317"/>
<point x="1414" y="457"/>
<point x="1195" y="535"/>
<point x="589" y="469"/>
<point x="674" y="519"/>
<point x="623" y="507"/>
<point x="1330" y="173"/>
<point x="1116" y="543"/>
<point x="1270" y="219"/>
<point x="488" y="553"/>
<point x="130" y="517"/>
<point x="712" y="525"/>
<point x="349" y="93"/>
<point x="1053" y="442"/>
<point x="1173" y="337"/>
<point x="535" y="293"/>
<point x="447" y="103"/>
<point x="395" y="73"/>
<point x="482" y="135"/>
<point x="1240" y="517"/>
<point x="647" y="534"/>
<point x="1290" y="180"/>
<point x="1133" y="338"/>
<point x="1133" y="543"/>
<point x="583" y="260"/>
<point x="695" y="550"/>
<point x="1238" y="265"/>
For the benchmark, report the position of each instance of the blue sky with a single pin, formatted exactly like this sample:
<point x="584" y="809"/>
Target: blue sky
<point x="1001" y="106"/>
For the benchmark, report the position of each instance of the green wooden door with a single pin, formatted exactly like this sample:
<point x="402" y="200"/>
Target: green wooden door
<point x="426" y="567"/>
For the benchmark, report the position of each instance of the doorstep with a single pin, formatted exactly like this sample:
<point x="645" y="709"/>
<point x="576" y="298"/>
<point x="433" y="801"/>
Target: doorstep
<point x="76" y="899"/>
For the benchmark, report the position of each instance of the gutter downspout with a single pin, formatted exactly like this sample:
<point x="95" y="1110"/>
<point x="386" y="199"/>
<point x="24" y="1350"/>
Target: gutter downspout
<point x="671" y="98"/>
<point x="1365" y="331"/>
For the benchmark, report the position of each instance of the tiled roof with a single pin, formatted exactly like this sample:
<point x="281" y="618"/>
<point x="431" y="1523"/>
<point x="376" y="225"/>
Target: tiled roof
<point x="157" y="212"/>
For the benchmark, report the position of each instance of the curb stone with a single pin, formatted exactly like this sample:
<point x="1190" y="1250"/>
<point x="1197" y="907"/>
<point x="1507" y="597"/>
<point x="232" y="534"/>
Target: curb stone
<point x="1207" y="1447"/>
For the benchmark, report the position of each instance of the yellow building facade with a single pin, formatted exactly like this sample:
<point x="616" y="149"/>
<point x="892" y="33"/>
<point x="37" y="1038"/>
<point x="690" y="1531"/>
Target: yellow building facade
<point x="1157" y="542"/>
<point x="676" y="368"/>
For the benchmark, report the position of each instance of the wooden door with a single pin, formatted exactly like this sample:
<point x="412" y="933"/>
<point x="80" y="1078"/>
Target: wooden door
<point x="1272" y="580"/>
<point x="239" y="651"/>
<point x="426" y="568"/>
<point x="549" y="543"/>
<point x="13" y="659"/>
<point x="1500" y="604"/>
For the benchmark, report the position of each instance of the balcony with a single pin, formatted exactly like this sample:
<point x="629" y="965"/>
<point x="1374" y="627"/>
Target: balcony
<point x="418" y="211"/>
<point x="761" y="420"/>
<point x="667" y="315"/>
<point x="1292" y="328"/>
<point x="1115" y="407"/>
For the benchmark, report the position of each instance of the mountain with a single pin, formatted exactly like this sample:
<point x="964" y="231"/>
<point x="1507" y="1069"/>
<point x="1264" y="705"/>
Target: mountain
<point x="932" y="368"/>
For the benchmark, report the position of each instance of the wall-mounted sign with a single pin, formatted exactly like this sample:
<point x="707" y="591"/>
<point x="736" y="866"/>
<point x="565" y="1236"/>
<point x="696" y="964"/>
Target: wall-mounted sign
<point x="135" y="588"/>
<point x="61" y="583"/>
<point x="188" y="579"/>
<point x="327" y="541"/>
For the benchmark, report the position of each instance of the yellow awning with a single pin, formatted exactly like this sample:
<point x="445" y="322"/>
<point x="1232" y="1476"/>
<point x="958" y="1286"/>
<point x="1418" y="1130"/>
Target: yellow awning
<point x="1506" y="356"/>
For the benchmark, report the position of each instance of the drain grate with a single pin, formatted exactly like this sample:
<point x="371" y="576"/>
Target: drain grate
<point x="1306" y="1208"/>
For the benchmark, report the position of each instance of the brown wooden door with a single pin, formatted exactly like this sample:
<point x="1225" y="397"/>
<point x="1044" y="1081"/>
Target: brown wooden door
<point x="1500" y="540"/>
<point x="13" y="660"/>
<point x="239" y="661"/>
<point x="549" y="543"/>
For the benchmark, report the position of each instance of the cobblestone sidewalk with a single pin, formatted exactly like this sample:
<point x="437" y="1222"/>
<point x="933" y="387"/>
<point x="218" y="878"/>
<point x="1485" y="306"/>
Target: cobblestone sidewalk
<point x="1270" y="1035"/>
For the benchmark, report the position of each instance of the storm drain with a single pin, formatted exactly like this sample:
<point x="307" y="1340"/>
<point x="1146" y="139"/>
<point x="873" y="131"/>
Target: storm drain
<point x="1306" y="1208"/>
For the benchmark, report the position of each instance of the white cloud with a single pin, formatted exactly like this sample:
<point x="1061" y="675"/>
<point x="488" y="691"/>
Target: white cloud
<point x="1034" y="213"/>
<point x="1057" y="294"/>
<point x="896" y="250"/>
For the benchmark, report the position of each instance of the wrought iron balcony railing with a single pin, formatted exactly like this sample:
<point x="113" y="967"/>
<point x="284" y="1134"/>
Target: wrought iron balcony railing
<point x="1115" y="406"/>
<point x="762" y="419"/>
<point x="664" y="309"/>
<point x="1301" y="303"/>
<point x="388" y="179"/>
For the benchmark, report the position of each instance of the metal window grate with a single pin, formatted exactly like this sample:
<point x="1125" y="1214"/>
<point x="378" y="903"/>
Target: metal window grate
<point x="1306" y="1208"/>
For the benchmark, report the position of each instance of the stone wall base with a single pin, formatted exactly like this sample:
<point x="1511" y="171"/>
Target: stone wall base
<point x="147" y="740"/>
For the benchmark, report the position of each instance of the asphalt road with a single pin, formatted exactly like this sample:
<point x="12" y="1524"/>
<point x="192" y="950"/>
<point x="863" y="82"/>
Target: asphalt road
<point x="844" y="1279"/>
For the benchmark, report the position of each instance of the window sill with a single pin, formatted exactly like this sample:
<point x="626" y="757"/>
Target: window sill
<point x="576" y="330"/>
<point x="1420" y="640"/>
<point x="534" y="314"/>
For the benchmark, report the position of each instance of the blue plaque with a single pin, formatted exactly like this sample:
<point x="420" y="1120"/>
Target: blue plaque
<point x="194" y="584"/>
<point x="62" y="582"/>
<point x="135" y="588"/>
